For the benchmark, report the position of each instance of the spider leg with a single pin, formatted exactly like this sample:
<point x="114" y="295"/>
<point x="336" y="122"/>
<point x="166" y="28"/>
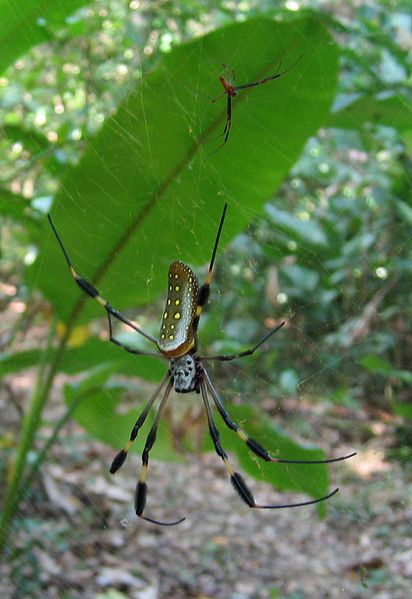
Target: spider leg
<point x="275" y="75"/>
<point x="251" y="443"/>
<point x="204" y="291"/>
<point x="228" y="125"/>
<point x="255" y="83"/>
<point x="129" y="348"/>
<point x="226" y="130"/>
<point x="218" y="97"/>
<point x="247" y="352"/>
<point x="91" y="290"/>
<point x="141" y="488"/>
<point x="236" y="479"/>
<point x="120" y="458"/>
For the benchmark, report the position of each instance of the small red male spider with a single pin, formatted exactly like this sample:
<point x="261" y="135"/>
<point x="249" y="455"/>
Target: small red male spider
<point x="232" y="90"/>
<point x="177" y="344"/>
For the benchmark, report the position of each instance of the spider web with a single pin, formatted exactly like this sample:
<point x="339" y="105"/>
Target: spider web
<point x="239" y="322"/>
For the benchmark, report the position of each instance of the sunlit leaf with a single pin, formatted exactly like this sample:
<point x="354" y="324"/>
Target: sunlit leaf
<point x="25" y="23"/>
<point x="148" y="191"/>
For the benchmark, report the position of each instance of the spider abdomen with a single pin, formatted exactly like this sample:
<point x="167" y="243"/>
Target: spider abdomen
<point x="177" y="334"/>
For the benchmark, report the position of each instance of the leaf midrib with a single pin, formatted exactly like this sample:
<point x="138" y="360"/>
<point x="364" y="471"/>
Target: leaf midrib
<point x="145" y="211"/>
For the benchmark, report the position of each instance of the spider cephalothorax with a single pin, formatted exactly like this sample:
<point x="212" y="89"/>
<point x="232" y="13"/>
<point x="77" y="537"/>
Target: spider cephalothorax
<point x="184" y="374"/>
<point x="177" y="343"/>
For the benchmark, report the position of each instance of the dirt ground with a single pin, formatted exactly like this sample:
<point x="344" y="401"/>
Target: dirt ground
<point x="77" y="535"/>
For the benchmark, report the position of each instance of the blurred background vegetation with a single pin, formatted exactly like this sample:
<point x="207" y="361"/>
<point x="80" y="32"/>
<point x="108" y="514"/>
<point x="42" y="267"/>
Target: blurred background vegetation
<point x="106" y="122"/>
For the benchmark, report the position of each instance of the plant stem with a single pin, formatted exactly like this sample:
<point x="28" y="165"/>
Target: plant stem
<point x="30" y="425"/>
<point x="41" y="457"/>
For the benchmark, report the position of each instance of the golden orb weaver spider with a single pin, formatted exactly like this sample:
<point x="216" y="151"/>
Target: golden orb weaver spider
<point x="232" y="91"/>
<point x="186" y="373"/>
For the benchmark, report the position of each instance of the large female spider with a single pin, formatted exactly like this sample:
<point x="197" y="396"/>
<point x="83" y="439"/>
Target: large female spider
<point x="178" y="344"/>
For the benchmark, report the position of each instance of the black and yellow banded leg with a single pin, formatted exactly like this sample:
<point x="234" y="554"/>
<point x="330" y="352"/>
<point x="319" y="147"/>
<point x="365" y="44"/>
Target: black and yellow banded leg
<point x="236" y="479"/>
<point x="129" y="348"/>
<point x="141" y="488"/>
<point x="91" y="290"/>
<point x="251" y="443"/>
<point x="204" y="291"/>
<point x="120" y="458"/>
<point x="247" y="352"/>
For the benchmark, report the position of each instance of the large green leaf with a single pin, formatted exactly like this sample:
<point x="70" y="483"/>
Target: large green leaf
<point x="148" y="191"/>
<point x="25" y="23"/>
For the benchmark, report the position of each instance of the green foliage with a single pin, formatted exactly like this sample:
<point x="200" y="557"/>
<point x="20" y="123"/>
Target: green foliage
<point x="390" y="112"/>
<point x="114" y="128"/>
<point x="33" y="23"/>
<point x="83" y="358"/>
<point x="403" y="410"/>
<point x="378" y="365"/>
<point x="149" y="166"/>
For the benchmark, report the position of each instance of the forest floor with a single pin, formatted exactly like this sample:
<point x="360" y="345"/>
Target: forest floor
<point x="76" y="536"/>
